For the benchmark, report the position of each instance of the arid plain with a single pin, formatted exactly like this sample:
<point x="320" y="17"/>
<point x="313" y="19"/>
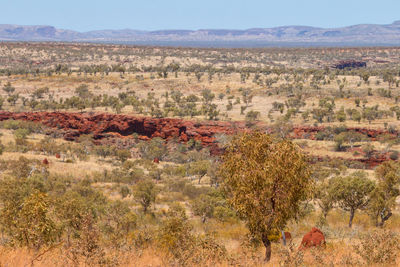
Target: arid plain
<point x="109" y="153"/>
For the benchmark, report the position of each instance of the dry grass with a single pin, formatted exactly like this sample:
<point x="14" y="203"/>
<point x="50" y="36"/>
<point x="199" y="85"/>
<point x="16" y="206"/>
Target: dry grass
<point x="335" y="254"/>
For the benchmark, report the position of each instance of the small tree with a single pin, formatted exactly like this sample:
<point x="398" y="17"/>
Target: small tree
<point x="383" y="198"/>
<point x="25" y="215"/>
<point x="34" y="226"/>
<point x="104" y="150"/>
<point x="369" y="114"/>
<point x="123" y="154"/>
<point x="356" y="116"/>
<point x="12" y="99"/>
<point x="324" y="197"/>
<point x="365" y="76"/>
<point x="145" y="194"/>
<point x="175" y="236"/>
<point x="206" y="204"/>
<point x="207" y="95"/>
<point x="352" y="192"/>
<point x="70" y="210"/>
<point x="265" y="181"/>
<point x="203" y="206"/>
<point x="124" y="191"/>
<point x="83" y="91"/>
<point x="251" y="117"/>
<point x="199" y="168"/>
<point x="341" y="115"/>
<point x="8" y="88"/>
<point x="185" y="248"/>
<point x="339" y="142"/>
<point x="368" y="149"/>
<point x="155" y="148"/>
<point x="121" y="221"/>
<point x="40" y="92"/>
<point x="87" y="245"/>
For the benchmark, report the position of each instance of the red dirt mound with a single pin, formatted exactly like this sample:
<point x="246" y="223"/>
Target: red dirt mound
<point x="313" y="238"/>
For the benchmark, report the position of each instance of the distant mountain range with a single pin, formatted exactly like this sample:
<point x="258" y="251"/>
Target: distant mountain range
<point x="357" y="35"/>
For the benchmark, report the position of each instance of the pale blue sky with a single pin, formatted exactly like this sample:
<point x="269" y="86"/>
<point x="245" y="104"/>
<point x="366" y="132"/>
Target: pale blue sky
<point x="84" y="15"/>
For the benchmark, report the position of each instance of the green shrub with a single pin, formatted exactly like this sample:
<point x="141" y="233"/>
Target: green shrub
<point x="155" y="148"/>
<point x="145" y="194"/>
<point x="192" y="191"/>
<point x="184" y="248"/>
<point x="32" y="127"/>
<point x="124" y="191"/>
<point x="205" y="205"/>
<point x="123" y="154"/>
<point x="223" y="214"/>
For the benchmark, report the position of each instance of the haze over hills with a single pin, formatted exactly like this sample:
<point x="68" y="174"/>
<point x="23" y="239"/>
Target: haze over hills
<point x="357" y="35"/>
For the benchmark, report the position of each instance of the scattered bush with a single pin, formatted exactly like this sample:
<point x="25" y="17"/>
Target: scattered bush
<point x="378" y="247"/>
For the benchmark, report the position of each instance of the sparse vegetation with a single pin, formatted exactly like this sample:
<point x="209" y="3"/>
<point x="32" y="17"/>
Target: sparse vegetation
<point x="131" y="194"/>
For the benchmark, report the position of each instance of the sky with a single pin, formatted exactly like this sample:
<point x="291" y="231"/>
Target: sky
<point x="86" y="15"/>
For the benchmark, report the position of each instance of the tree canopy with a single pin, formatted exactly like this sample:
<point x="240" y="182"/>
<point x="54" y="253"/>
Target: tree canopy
<point x="265" y="181"/>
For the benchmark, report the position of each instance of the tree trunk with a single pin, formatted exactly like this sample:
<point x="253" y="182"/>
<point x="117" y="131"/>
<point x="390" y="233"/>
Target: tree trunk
<point x="325" y="213"/>
<point x="267" y="244"/>
<point x="283" y="238"/>
<point x="376" y="220"/>
<point x="200" y="177"/>
<point x="384" y="219"/>
<point x="351" y="217"/>
<point x="203" y="218"/>
<point x="68" y="238"/>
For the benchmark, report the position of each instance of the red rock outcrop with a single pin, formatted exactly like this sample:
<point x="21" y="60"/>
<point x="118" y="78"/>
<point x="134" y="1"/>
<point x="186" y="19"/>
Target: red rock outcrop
<point x="344" y="64"/>
<point x="309" y="132"/>
<point x="102" y="125"/>
<point x="108" y="126"/>
<point x="306" y="132"/>
<point x="314" y="238"/>
<point x="368" y="163"/>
